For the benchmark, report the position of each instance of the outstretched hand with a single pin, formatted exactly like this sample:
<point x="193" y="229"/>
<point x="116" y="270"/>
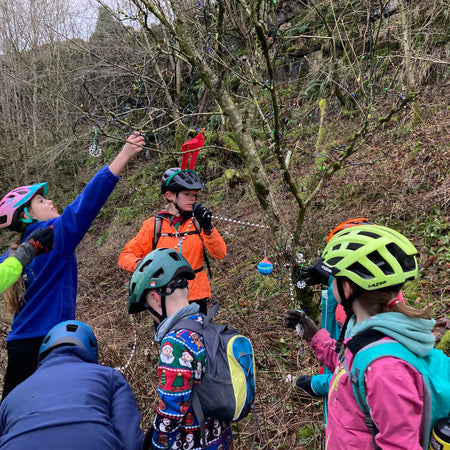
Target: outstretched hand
<point x="134" y="145"/>
<point x="294" y="317"/>
<point x="316" y="274"/>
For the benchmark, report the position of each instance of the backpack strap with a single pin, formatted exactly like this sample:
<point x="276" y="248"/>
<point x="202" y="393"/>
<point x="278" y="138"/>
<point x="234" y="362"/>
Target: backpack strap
<point x="157" y="228"/>
<point x="198" y="410"/>
<point x="212" y="312"/>
<point x="358" y="342"/>
<point x="369" y="353"/>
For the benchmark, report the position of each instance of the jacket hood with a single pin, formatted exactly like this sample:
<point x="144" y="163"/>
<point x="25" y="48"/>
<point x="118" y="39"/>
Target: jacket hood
<point x="413" y="332"/>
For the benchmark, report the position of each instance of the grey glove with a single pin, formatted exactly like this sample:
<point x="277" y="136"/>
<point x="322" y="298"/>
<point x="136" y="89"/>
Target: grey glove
<point x="293" y="317"/>
<point x="203" y="215"/>
<point x="25" y="253"/>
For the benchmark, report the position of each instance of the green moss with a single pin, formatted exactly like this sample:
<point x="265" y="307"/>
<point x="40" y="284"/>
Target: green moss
<point x="444" y="345"/>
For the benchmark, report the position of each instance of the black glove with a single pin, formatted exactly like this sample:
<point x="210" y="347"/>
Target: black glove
<point x="203" y="216"/>
<point x="317" y="274"/>
<point x="293" y="317"/>
<point x="40" y="241"/>
<point x="304" y="384"/>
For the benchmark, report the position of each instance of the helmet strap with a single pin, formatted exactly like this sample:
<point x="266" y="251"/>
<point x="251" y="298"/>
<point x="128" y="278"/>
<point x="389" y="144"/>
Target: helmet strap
<point x="346" y="303"/>
<point x="163" y="295"/>
<point x="176" y="206"/>
<point x="174" y="202"/>
<point x="22" y="219"/>
<point x="163" y="305"/>
<point x="179" y="282"/>
<point x="156" y="314"/>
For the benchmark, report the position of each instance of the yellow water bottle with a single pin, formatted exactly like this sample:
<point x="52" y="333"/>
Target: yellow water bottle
<point x="440" y="437"/>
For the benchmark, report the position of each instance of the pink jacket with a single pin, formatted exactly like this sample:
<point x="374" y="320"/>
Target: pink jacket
<point x="394" y="395"/>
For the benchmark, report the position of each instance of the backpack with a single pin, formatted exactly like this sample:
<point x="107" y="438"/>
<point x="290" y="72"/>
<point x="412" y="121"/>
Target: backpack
<point x="434" y="368"/>
<point x="157" y="234"/>
<point x="227" y="389"/>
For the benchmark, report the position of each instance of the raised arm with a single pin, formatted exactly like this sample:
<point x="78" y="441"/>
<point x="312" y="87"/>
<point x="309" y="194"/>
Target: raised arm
<point x="133" y="146"/>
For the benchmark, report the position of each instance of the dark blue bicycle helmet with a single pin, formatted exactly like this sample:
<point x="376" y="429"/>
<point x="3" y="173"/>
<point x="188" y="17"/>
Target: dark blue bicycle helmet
<point x="175" y="180"/>
<point x="70" y="332"/>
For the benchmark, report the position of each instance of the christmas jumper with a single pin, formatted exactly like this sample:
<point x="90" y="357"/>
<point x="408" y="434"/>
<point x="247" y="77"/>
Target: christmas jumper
<point x="181" y="366"/>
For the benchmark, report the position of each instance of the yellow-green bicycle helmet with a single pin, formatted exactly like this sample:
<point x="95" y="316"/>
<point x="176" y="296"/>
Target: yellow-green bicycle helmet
<point x="372" y="256"/>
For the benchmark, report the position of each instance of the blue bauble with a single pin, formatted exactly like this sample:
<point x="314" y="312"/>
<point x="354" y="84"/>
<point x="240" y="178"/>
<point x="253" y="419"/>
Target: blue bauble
<point x="265" y="267"/>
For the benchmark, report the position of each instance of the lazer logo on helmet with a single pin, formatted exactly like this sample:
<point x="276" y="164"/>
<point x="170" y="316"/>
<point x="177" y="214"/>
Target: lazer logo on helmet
<point x="326" y="269"/>
<point x="376" y="284"/>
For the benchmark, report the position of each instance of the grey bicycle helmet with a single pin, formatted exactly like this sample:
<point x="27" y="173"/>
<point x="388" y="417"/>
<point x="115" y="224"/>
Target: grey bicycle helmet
<point x="175" y="180"/>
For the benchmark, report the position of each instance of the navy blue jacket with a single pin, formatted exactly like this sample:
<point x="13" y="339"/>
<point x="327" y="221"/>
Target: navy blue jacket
<point x="51" y="280"/>
<point x="71" y="403"/>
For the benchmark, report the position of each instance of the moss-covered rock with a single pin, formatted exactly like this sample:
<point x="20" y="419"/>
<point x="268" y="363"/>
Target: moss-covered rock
<point x="444" y="344"/>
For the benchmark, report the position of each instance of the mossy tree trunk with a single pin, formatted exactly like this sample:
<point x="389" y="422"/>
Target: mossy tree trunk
<point x="230" y="48"/>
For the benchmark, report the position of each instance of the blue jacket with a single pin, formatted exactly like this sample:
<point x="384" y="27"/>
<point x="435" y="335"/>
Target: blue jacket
<point x="51" y="280"/>
<point x="71" y="403"/>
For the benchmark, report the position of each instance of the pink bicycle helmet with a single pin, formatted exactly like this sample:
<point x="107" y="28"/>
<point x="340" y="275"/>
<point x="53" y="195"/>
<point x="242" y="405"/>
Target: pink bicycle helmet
<point x="12" y="204"/>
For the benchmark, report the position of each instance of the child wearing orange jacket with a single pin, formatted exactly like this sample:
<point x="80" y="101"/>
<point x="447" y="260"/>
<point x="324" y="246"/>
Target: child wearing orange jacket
<point x="185" y="226"/>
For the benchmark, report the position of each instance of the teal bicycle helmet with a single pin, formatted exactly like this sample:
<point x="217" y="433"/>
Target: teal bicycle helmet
<point x="372" y="256"/>
<point x="156" y="270"/>
<point x="69" y="332"/>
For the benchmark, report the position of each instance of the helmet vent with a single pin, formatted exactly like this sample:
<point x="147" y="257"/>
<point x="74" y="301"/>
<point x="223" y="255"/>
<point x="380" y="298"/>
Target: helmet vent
<point x="175" y="256"/>
<point x="360" y="270"/>
<point x="407" y="262"/>
<point x="382" y="264"/>
<point x="354" y="246"/>
<point x="334" y="261"/>
<point x="72" y="327"/>
<point x="369" y="234"/>
<point x="158" y="274"/>
<point x="144" y="265"/>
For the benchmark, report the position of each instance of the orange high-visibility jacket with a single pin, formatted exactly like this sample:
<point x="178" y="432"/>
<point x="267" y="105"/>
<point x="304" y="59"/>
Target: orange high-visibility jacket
<point x="191" y="241"/>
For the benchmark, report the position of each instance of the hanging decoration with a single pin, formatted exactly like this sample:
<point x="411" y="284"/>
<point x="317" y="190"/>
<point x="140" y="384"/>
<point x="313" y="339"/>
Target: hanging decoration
<point x="190" y="150"/>
<point x="94" y="148"/>
<point x="265" y="267"/>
